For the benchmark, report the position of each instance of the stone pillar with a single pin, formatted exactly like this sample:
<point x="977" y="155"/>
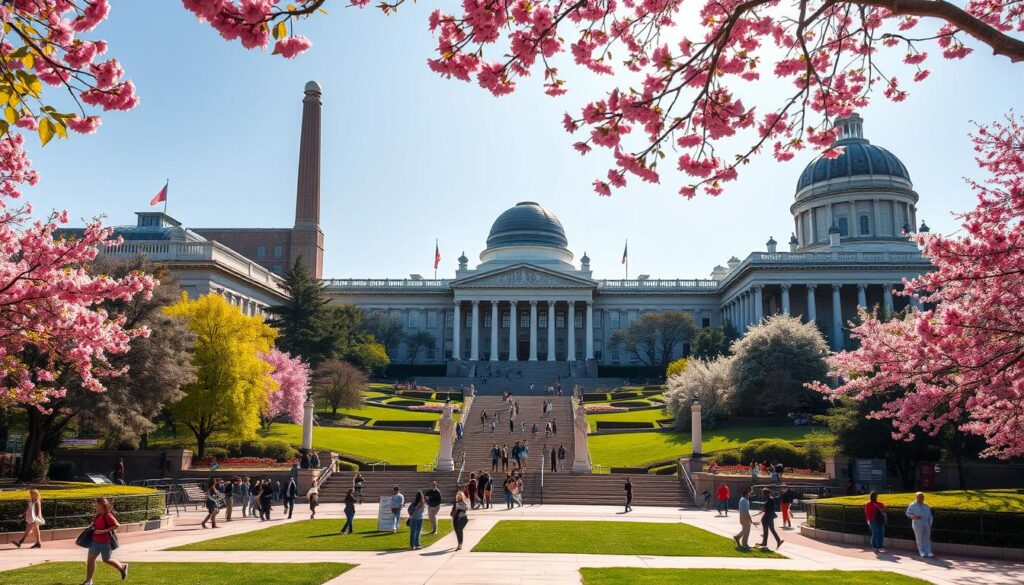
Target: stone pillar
<point x="495" y="323"/>
<point x="744" y="312"/>
<point x="474" y="348"/>
<point x="533" y="331"/>
<point x="513" y="336"/>
<point x="758" y="304"/>
<point x="837" y="318"/>
<point x="862" y="296"/>
<point x="456" y="327"/>
<point x="307" y="423"/>
<point x="876" y="230"/>
<point x="887" y="298"/>
<point x="695" y="429"/>
<point x="570" y="327"/>
<point x="589" y="348"/>
<point x="581" y="455"/>
<point x="551" y="331"/>
<point x="812" y="312"/>
<point x="785" y="299"/>
<point x="446" y="427"/>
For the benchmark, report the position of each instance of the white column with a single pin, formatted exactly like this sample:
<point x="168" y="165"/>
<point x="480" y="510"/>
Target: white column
<point x="758" y="304"/>
<point x="551" y="331"/>
<point x="533" y="331"/>
<point x="785" y="299"/>
<point x="837" y="317"/>
<point x="456" y="326"/>
<point x="887" y="298"/>
<point x="862" y="296"/>
<point x="570" y="327"/>
<point x="812" y="313"/>
<point x="513" y="337"/>
<point x="876" y="229"/>
<point x="474" y="347"/>
<point x="695" y="429"/>
<point x="744" y="310"/>
<point x="495" y="322"/>
<point x="307" y="423"/>
<point x="590" y="331"/>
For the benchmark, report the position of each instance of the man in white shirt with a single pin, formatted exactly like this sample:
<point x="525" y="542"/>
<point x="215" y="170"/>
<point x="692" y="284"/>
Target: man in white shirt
<point x="745" y="520"/>
<point x="920" y="515"/>
<point x="397" y="503"/>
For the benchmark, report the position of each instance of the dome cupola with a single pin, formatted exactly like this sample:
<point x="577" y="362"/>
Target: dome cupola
<point x="528" y="233"/>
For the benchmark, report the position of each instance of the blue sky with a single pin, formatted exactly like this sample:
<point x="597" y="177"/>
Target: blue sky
<point x="409" y="157"/>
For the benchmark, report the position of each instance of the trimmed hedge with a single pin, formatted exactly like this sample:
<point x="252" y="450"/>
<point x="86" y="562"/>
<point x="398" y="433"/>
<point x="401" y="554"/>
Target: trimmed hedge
<point x="623" y="395"/>
<point x="595" y="396"/>
<point x="414" y="394"/>
<point x="623" y="424"/>
<point x="631" y="404"/>
<point x="999" y="529"/>
<point x="409" y="424"/>
<point x="74" y="507"/>
<point x="401" y="402"/>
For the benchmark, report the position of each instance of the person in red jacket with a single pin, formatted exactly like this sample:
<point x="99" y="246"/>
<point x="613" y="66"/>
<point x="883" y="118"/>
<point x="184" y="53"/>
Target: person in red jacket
<point x="722" y="495"/>
<point x="874" y="513"/>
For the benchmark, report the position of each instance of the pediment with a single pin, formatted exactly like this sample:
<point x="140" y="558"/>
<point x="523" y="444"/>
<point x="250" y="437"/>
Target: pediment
<point x="523" y="276"/>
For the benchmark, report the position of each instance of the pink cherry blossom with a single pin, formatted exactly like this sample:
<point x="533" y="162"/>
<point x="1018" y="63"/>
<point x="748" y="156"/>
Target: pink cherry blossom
<point x="284" y="403"/>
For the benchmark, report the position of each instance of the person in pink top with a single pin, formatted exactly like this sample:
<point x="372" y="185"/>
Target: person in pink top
<point x="874" y="513"/>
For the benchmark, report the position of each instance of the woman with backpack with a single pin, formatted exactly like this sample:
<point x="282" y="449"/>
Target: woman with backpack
<point x="874" y="513"/>
<point x="103" y="541"/>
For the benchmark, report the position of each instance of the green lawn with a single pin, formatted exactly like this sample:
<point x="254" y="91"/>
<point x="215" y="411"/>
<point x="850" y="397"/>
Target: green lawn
<point x="180" y="573"/>
<point x="320" y="535"/>
<point x="974" y="500"/>
<point x="381" y="413"/>
<point x="650" y="416"/>
<point x="611" y="538"/>
<point x="637" y="576"/>
<point x="642" y="449"/>
<point x="395" y="447"/>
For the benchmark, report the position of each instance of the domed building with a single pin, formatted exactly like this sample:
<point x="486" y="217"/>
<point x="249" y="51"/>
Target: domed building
<point x="527" y="306"/>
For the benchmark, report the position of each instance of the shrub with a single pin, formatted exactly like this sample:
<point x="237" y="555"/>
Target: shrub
<point x="773" y="451"/>
<point x="401" y="402"/>
<point x="595" y="397"/>
<point x="216" y="453"/>
<point x="631" y="404"/>
<point x="709" y="383"/>
<point x="623" y="424"/>
<point x="275" y="449"/>
<point x="73" y="505"/>
<point x="677" y="367"/>
<point x="727" y="457"/>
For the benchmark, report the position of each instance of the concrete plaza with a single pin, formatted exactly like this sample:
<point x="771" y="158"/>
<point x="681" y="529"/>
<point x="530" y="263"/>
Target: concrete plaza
<point x="440" y="564"/>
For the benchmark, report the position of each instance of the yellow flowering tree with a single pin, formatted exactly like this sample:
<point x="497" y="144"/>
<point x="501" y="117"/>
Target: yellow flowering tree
<point x="232" y="382"/>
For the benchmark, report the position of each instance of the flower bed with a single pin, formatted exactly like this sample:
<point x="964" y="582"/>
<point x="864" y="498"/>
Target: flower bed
<point x="433" y="407"/>
<point x="241" y="462"/>
<point x="603" y="409"/>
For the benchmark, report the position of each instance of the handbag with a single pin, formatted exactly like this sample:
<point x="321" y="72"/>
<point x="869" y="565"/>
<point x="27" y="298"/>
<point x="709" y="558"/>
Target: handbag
<point x="85" y="538"/>
<point x="113" y="541"/>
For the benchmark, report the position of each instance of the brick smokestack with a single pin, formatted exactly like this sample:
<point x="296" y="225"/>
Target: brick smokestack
<point x="307" y="239"/>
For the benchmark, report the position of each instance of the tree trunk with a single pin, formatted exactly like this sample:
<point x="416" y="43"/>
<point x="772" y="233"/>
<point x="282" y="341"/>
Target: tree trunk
<point x="34" y="461"/>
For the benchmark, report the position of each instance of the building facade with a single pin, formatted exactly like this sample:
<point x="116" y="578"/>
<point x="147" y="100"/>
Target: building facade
<point x="527" y="300"/>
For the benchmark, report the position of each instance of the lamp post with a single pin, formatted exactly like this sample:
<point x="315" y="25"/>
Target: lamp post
<point x="307" y="422"/>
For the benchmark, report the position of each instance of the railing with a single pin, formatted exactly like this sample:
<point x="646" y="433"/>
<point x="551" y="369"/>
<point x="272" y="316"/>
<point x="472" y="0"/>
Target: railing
<point x="373" y="466"/>
<point x="462" y="468"/>
<point x="192" y="251"/>
<point x="325" y="474"/>
<point x="685" y="474"/>
<point x="385" y="283"/>
<point x="79" y="512"/>
<point x="669" y="284"/>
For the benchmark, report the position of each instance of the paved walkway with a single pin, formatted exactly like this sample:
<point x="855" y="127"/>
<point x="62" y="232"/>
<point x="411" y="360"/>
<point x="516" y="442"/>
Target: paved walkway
<point x="440" y="564"/>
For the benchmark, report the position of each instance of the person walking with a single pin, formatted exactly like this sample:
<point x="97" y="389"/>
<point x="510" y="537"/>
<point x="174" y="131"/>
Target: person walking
<point x="471" y="491"/>
<point x="484" y="486"/>
<point x="768" y="514"/>
<point x="119" y="471"/>
<point x="33" y="519"/>
<point x="746" y="521"/>
<point x="313" y="497"/>
<point x="243" y="495"/>
<point x="350" y="510"/>
<point x="554" y="460"/>
<point x="920" y="515"/>
<point x="229" y="498"/>
<point x="495" y="457"/>
<point x="874" y="513"/>
<point x="357" y="484"/>
<point x="266" y="499"/>
<point x="524" y="455"/>
<point x="291" y="491"/>
<point x="416" y="509"/>
<point x="722" y="499"/>
<point x="504" y="457"/>
<point x="786" y="499"/>
<point x="213" y="502"/>
<point x="516" y="452"/>
<point x="517" y="491"/>
<point x="509" y="486"/>
<point x="483" y="420"/>
<point x="433" y="497"/>
<point x="397" y="503"/>
<point x="561" y="458"/>
<point x="255" y="489"/>
<point x="104" y="525"/>
<point x="460" y="516"/>
<point x="629" y="493"/>
<point x="277" y="490"/>
<point x="554" y="427"/>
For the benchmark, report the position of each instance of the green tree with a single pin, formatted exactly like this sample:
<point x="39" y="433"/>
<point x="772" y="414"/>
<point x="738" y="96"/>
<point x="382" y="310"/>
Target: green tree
<point x="369" y="356"/>
<point x="419" y="341"/>
<point x="300" y="321"/>
<point x="712" y="342"/>
<point x="157" y="367"/>
<point x="232" y="381"/>
<point x="654" y="338"/>
<point x="677" y="367"/>
<point x="340" y="384"/>
<point x="773" y="362"/>
<point x="387" y="329"/>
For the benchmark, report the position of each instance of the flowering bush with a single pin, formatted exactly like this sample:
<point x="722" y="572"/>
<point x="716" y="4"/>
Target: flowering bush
<point x="603" y="408"/>
<point x="433" y="407"/>
<point x="242" y="462"/>
<point x="764" y="472"/>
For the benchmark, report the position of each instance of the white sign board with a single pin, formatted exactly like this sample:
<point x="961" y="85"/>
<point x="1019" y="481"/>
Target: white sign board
<point x="385" y="519"/>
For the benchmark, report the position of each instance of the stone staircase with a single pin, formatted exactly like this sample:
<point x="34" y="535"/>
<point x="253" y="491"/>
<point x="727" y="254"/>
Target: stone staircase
<point x="495" y="377"/>
<point x="477" y="440"/>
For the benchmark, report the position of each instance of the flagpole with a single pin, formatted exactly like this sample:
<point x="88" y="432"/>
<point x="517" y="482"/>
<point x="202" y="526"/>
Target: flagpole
<point x="627" y="258"/>
<point x="435" y="258"/>
<point x="166" y="185"/>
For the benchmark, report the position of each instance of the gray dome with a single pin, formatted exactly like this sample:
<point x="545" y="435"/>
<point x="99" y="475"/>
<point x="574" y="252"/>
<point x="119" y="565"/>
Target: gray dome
<point x="527" y="224"/>
<point x="860" y="158"/>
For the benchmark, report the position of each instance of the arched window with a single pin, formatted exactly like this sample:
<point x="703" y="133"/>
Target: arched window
<point x="844" y="227"/>
<point x="865" y="226"/>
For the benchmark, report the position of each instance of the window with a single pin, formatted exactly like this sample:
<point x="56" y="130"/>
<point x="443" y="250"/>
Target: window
<point x="560" y="319"/>
<point x="598" y="345"/>
<point x="414" y="319"/>
<point x="431" y="353"/>
<point x="278" y="251"/>
<point x="865" y="225"/>
<point x="597" y="319"/>
<point x="577" y="321"/>
<point x="613" y="320"/>
<point x="276" y="269"/>
<point x="505" y="319"/>
<point x="844" y="226"/>
<point x="431" y="320"/>
<point x="542" y="320"/>
<point x="705" y="322"/>
<point x="524" y="319"/>
<point x="449" y="319"/>
<point x="487" y="319"/>
<point x="261" y="251"/>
